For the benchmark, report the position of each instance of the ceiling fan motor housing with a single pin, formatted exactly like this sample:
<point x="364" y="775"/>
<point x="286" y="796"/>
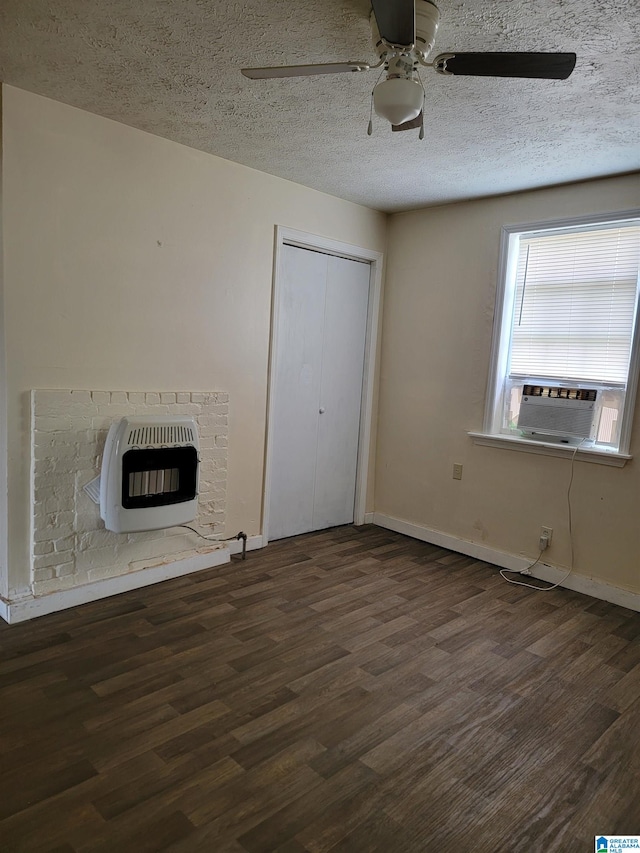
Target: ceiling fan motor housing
<point x="427" y="20"/>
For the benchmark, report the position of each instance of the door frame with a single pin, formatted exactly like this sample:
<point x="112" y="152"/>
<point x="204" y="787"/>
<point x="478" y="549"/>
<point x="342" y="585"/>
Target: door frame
<point x="285" y="236"/>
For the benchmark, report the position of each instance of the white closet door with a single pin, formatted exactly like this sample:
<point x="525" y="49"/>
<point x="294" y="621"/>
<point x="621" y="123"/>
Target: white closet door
<point x="296" y="389"/>
<point x="317" y="388"/>
<point x="345" y="328"/>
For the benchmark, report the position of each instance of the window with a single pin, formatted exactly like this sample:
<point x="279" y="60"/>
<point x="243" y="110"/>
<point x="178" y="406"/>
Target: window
<point x="565" y="353"/>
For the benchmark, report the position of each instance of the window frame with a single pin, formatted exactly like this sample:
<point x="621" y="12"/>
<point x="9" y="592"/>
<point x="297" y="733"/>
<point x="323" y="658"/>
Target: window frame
<point x="501" y="345"/>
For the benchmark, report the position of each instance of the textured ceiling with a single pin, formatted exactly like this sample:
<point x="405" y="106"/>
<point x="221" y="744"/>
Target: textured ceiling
<point x="171" y="67"/>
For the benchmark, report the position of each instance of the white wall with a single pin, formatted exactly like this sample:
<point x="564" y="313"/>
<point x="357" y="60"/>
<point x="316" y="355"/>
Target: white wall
<point x="437" y="326"/>
<point x="132" y="262"/>
<point x="4" y="572"/>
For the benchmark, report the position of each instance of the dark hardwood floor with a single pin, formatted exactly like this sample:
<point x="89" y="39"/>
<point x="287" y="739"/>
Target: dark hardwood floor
<point x="349" y="690"/>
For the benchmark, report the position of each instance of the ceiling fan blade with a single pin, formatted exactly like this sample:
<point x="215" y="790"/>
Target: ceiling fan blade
<point x="303" y="70"/>
<point x="396" y="20"/>
<point x="545" y="66"/>
<point x="409" y="125"/>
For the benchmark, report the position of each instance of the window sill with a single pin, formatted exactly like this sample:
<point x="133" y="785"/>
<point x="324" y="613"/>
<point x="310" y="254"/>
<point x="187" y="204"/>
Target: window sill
<point x="549" y="448"/>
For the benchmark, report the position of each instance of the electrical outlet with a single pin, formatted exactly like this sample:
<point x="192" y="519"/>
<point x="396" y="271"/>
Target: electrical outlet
<point x="545" y="537"/>
<point x="457" y="470"/>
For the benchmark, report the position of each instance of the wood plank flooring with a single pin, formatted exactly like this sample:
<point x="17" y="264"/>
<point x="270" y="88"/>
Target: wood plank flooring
<point x="349" y="690"/>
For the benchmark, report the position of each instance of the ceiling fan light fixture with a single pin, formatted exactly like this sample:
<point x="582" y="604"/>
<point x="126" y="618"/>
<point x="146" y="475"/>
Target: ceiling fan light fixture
<point x="398" y="99"/>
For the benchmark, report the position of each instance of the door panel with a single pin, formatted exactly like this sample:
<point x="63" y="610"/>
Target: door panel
<point x="317" y="391"/>
<point x="297" y="390"/>
<point x="345" y="324"/>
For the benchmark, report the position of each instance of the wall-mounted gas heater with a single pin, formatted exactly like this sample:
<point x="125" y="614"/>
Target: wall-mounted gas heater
<point x="149" y="477"/>
<point x="560" y="413"/>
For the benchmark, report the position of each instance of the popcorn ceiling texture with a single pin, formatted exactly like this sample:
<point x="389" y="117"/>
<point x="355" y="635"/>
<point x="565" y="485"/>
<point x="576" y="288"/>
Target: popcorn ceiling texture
<point x="70" y="543"/>
<point x="173" y="69"/>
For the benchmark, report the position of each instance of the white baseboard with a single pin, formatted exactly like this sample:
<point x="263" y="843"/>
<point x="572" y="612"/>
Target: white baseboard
<point x="368" y="517"/>
<point x="20" y="611"/>
<point x="29" y="607"/>
<point x="543" y="571"/>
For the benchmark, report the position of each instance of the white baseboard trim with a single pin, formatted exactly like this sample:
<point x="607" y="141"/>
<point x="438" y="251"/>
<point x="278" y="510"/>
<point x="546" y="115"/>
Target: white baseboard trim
<point x="543" y="571"/>
<point x="368" y="517"/>
<point x="20" y="611"/>
<point x="29" y="607"/>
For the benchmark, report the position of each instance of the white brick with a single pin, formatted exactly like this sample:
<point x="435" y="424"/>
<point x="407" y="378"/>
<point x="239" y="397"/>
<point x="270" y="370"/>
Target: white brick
<point x="197" y="397"/>
<point x="136" y="398"/>
<point x="185" y="409"/>
<point x="145" y="535"/>
<point x="65" y="543"/>
<point x="45" y="561"/>
<point x="88" y="518"/>
<point x="57" y="450"/>
<point x="45" y="466"/>
<point x="101" y="398"/>
<point x="47" y="485"/>
<point x="41" y="548"/>
<point x="43" y="574"/>
<point x="65" y="569"/>
<point x="59" y="425"/>
<point x="101" y="423"/>
<point x="47" y="424"/>
<point x="152" y="399"/>
<point x="97" y="539"/>
<point x="61" y="467"/>
<point x="96" y="558"/>
<point x="103" y="572"/>
<point x="221" y="440"/>
<point x="183" y="397"/>
<point x="54" y="585"/>
<point x="168" y="397"/>
<point x="57" y="504"/>
<point x="206" y="430"/>
<point x="119" y="398"/>
<point x="81" y="397"/>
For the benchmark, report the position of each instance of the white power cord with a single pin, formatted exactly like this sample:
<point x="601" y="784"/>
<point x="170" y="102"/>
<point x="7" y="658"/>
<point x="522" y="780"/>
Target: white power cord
<point x="570" y="525"/>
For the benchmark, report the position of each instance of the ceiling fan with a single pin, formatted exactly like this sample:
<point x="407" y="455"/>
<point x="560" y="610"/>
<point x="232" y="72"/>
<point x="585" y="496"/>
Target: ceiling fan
<point x="403" y="33"/>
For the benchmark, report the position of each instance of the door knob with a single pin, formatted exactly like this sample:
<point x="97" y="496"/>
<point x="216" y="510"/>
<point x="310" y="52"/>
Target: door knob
<point x="321" y="410"/>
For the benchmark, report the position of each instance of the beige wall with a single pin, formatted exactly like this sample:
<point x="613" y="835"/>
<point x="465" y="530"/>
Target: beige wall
<point x="439" y="298"/>
<point x="134" y="262"/>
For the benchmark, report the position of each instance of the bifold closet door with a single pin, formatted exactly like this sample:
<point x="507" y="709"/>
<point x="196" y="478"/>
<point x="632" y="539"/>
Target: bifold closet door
<point x="317" y="388"/>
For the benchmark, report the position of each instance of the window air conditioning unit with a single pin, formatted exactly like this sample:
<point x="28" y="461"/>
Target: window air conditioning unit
<point x="560" y="413"/>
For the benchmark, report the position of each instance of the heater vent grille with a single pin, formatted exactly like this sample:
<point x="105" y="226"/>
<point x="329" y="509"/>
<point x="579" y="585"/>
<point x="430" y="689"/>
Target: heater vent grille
<point x="145" y="436"/>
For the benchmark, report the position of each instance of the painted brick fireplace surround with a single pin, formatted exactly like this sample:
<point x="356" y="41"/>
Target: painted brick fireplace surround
<point x="69" y="543"/>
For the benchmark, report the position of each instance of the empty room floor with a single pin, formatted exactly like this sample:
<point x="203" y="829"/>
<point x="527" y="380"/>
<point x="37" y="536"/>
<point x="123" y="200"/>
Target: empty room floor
<point x="347" y="690"/>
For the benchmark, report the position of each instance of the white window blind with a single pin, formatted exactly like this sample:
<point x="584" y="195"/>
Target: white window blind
<point x="574" y="307"/>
